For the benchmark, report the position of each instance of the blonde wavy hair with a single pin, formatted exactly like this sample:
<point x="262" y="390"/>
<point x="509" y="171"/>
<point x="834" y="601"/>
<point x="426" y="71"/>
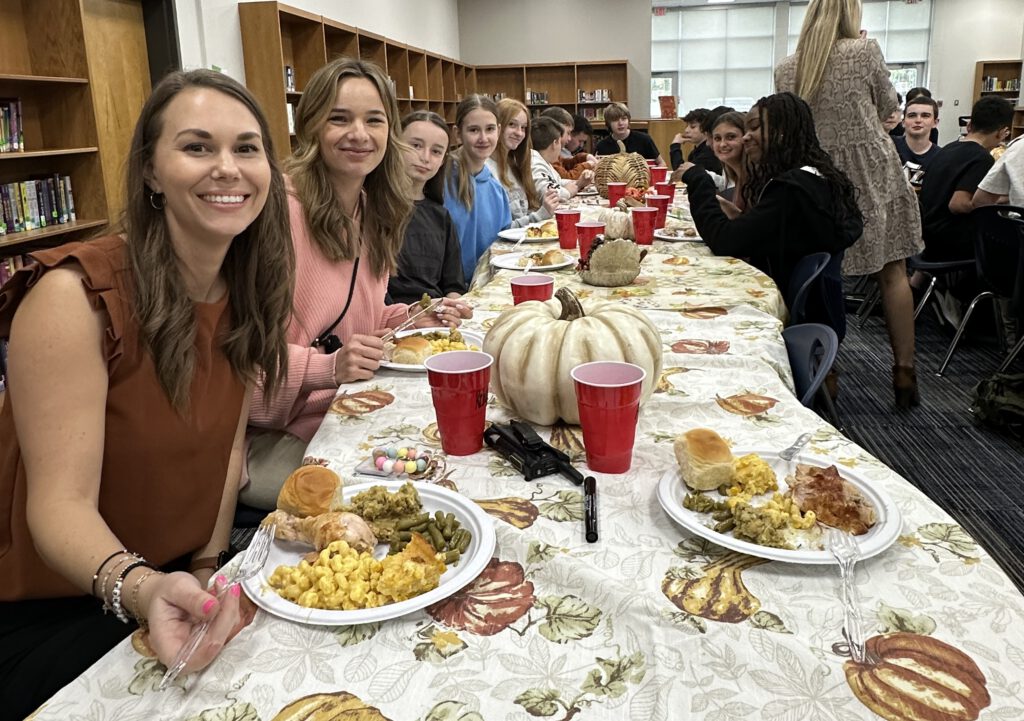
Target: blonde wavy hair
<point x="517" y="161"/>
<point x="388" y="206"/>
<point x="460" y="183"/>
<point x="826" y="22"/>
<point x="259" y="267"/>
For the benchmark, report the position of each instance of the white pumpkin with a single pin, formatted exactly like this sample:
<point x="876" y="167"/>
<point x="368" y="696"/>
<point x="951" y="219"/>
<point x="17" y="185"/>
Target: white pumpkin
<point x="536" y="344"/>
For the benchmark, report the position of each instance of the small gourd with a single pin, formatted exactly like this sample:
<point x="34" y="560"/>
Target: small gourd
<point x="611" y="263"/>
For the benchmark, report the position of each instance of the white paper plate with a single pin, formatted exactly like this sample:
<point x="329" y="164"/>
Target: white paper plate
<point x="660" y="234"/>
<point x="587" y="192"/>
<point x="510" y="261"/>
<point x="434" y="498"/>
<point x="887" y="528"/>
<point x="515" y="234"/>
<point x="470" y="337"/>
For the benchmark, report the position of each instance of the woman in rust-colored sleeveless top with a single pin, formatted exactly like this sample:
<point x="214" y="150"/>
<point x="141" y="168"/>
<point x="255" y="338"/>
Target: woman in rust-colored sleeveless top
<point x="129" y="357"/>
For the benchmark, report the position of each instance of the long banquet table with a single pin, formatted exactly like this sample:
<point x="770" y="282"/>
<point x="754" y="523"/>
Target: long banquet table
<point x="650" y="622"/>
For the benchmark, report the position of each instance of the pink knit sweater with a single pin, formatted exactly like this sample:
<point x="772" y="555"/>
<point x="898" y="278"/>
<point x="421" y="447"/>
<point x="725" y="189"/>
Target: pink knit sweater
<point x="321" y="288"/>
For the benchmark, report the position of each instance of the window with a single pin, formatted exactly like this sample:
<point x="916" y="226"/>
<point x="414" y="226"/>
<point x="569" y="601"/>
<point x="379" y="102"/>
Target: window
<point x="726" y="55"/>
<point x="661" y="84"/>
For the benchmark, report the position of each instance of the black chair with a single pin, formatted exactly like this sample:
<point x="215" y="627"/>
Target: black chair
<point x="997" y="250"/>
<point x="812" y="349"/>
<point x="805" y="276"/>
<point x="1017" y="304"/>
<point x="816" y="292"/>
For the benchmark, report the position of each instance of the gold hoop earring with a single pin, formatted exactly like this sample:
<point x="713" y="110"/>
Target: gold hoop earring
<point x="153" y="200"/>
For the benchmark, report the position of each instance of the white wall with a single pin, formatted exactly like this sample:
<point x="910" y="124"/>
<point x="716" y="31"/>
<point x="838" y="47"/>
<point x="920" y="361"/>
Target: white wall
<point x="496" y="32"/>
<point x="209" y="33"/>
<point x="964" y="32"/>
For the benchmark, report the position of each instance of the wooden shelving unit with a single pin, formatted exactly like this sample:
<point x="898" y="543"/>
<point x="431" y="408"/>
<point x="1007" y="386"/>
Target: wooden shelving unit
<point x="1006" y="71"/>
<point x="562" y="82"/>
<point x="44" y="63"/>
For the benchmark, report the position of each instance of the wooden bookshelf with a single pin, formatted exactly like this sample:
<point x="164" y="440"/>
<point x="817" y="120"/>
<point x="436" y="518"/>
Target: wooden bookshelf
<point x="435" y="78"/>
<point x="562" y="82"/>
<point x="1018" y="122"/>
<point x="45" y="64"/>
<point x="419" y="80"/>
<point x="1004" y="71"/>
<point x="341" y="40"/>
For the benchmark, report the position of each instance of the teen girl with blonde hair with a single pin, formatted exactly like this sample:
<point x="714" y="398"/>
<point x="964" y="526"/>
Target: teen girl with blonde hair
<point x="510" y="164"/>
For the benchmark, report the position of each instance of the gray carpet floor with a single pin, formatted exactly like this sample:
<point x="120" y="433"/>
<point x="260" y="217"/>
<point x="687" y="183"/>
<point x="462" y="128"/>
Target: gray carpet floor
<point x="974" y="473"/>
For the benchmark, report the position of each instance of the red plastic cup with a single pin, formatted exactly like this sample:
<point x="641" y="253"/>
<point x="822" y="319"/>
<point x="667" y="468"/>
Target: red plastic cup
<point x="668" y="189"/>
<point x="532" y="286"/>
<point x="608" y="398"/>
<point x="658" y="174"/>
<point x="585" y="234"/>
<point x="616" y="192"/>
<point x="651" y="163"/>
<point x="567" y="220"/>
<point x="643" y="224"/>
<point x="458" y="385"/>
<point x="661" y="203"/>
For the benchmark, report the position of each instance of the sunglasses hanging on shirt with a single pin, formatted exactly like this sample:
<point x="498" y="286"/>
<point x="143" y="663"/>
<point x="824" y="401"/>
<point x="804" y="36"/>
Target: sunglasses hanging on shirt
<point x="327" y="339"/>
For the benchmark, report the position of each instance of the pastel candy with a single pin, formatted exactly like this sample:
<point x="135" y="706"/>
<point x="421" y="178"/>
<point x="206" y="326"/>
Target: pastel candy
<point x="410" y="466"/>
<point x="421" y="465"/>
<point x="379" y="462"/>
<point x="411" y="455"/>
<point x="402" y="452"/>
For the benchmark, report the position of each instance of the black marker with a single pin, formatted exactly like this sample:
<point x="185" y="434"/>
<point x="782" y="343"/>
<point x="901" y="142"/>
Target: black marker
<point x="590" y="508"/>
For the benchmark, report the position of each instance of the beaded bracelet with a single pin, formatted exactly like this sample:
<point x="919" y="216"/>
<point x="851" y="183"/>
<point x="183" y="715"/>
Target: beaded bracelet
<point x="133" y="603"/>
<point x="115" y="596"/>
<point x="119" y="563"/>
<point x="99" y="568"/>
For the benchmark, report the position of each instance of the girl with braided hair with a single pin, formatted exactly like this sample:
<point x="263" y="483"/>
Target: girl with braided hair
<point x="796" y="203"/>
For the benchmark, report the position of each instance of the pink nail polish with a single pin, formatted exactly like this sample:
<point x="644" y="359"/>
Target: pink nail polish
<point x="236" y="590"/>
<point x="221" y="579"/>
<point x="208" y="606"/>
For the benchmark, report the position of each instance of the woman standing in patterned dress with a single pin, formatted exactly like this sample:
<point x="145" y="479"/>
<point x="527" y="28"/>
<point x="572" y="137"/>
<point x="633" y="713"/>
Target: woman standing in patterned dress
<point x="845" y="81"/>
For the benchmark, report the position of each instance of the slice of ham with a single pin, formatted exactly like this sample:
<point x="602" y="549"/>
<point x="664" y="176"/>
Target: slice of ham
<point x="836" y="502"/>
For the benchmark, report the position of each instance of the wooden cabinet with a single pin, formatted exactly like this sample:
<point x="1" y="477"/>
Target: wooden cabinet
<point x="1003" y="79"/>
<point x="44" y="64"/>
<point x="276" y="37"/>
<point x="584" y="87"/>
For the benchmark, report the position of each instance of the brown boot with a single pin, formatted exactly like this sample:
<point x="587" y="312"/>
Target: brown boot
<point x="904" y="385"/>
<point x="832" y="383"/>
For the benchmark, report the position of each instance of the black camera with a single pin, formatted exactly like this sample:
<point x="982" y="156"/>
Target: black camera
<point x="525" y="450"/>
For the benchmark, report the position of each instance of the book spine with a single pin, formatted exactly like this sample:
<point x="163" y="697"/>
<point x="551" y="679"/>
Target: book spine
<point x="5" y="127"/>
<point x="5" y="208"/>
<point x="59" y="200"/>
<point x="28" y="205"/>
<point x="18" y="204"/>
<point x="71" y="199"/>
<point x="20" y="135"/>
<point x="43" y="198"/>
<point x="51" y="193"/>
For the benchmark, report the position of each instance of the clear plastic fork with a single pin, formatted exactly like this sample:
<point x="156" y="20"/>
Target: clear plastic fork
<point x="253" y="560"/>
<point x="846" y="552"/>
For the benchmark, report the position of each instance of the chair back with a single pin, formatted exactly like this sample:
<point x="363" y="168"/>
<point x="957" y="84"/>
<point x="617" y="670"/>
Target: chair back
<point x="806" y="273"/>
<point x="997" y="247"/>
<point x="812" y="349"/>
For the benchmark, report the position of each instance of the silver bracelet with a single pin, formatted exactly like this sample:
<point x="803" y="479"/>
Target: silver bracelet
<point x="115" y="596"/>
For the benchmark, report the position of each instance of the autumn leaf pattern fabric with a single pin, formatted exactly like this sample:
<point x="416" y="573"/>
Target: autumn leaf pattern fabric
<point x="649" y="623"/>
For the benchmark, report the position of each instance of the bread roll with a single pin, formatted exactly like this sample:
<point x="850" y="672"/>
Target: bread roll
<point x="411" y="350"/>
<point x="705" y="460"/>
<point x="552" y="257"/>
<point x="310" y="491"/>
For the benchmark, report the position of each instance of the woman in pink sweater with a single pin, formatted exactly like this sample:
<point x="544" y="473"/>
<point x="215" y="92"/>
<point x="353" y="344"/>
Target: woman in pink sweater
<point x="349" y="205"/>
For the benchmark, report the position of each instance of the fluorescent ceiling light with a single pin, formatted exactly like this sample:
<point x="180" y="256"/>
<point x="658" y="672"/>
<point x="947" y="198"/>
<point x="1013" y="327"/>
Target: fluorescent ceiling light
<point x="719" y="2"/>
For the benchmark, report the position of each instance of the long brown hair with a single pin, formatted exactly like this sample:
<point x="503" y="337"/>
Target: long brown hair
<point x="388" y="206"/>
<point x="259" y="266"/>
<point x="826" y="22"/>
<point x="515" y="161"/>
<point x="433" y="188"/>
<point x="738" y="121"/>
<point x="461" y="182"/>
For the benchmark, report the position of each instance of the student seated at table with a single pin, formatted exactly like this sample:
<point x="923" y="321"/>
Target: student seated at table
<point x="947" y="191"/>
<point x="727" y="142"/>
<point x="547" y="143"/>
<point x="797" y="201"/>
<point x="349" y="205"/>
<point x="914" y="146"/>
<point x="697" y="133"/>
<point x="582" y="131"/>
<point x="430" y="261"/>
<point x="616" y="119"/>
<point x="1004" y="183"/>
<point x="510" y="164"/>
<point x="121" y="451"/>
<point x="476" y="200"/>
<point x="570" y="166"/>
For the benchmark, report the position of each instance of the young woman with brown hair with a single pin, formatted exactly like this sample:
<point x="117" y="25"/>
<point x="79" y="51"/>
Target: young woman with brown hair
<point x="129" y="359"/>
<point x="510" y="164"/>
<point x="349" y="205"/>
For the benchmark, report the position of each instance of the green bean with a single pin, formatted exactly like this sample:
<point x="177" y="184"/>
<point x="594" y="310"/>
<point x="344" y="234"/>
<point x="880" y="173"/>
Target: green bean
<point x="411" y="522"/>
<point x="403" y="536"/>
<point x="725" y="526"/>
<point x="439" y="518"/>
<point x="721" y="515"/>
<point x="420" y="527"/>
<point x="451" y="558"/>
<point x="453" y="542"/>
<point x="436" y="539"/>
<point x="724" y="489"/>
<point x="463" y="543"/>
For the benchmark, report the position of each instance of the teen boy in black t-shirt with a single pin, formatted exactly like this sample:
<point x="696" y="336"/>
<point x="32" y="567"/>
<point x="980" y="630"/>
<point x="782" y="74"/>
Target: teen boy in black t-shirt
<point x="616" y="117"/>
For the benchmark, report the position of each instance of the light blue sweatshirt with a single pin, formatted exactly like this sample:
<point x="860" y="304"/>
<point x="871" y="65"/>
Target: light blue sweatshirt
<point x="477" y="228"/>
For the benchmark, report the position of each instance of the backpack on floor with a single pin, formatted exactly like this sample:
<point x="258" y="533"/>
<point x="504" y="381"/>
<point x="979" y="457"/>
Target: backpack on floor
<point x="999" y="403"/>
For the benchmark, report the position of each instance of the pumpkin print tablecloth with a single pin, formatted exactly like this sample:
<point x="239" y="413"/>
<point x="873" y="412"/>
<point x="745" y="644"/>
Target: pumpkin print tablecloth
<point x="650" y="622"/>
